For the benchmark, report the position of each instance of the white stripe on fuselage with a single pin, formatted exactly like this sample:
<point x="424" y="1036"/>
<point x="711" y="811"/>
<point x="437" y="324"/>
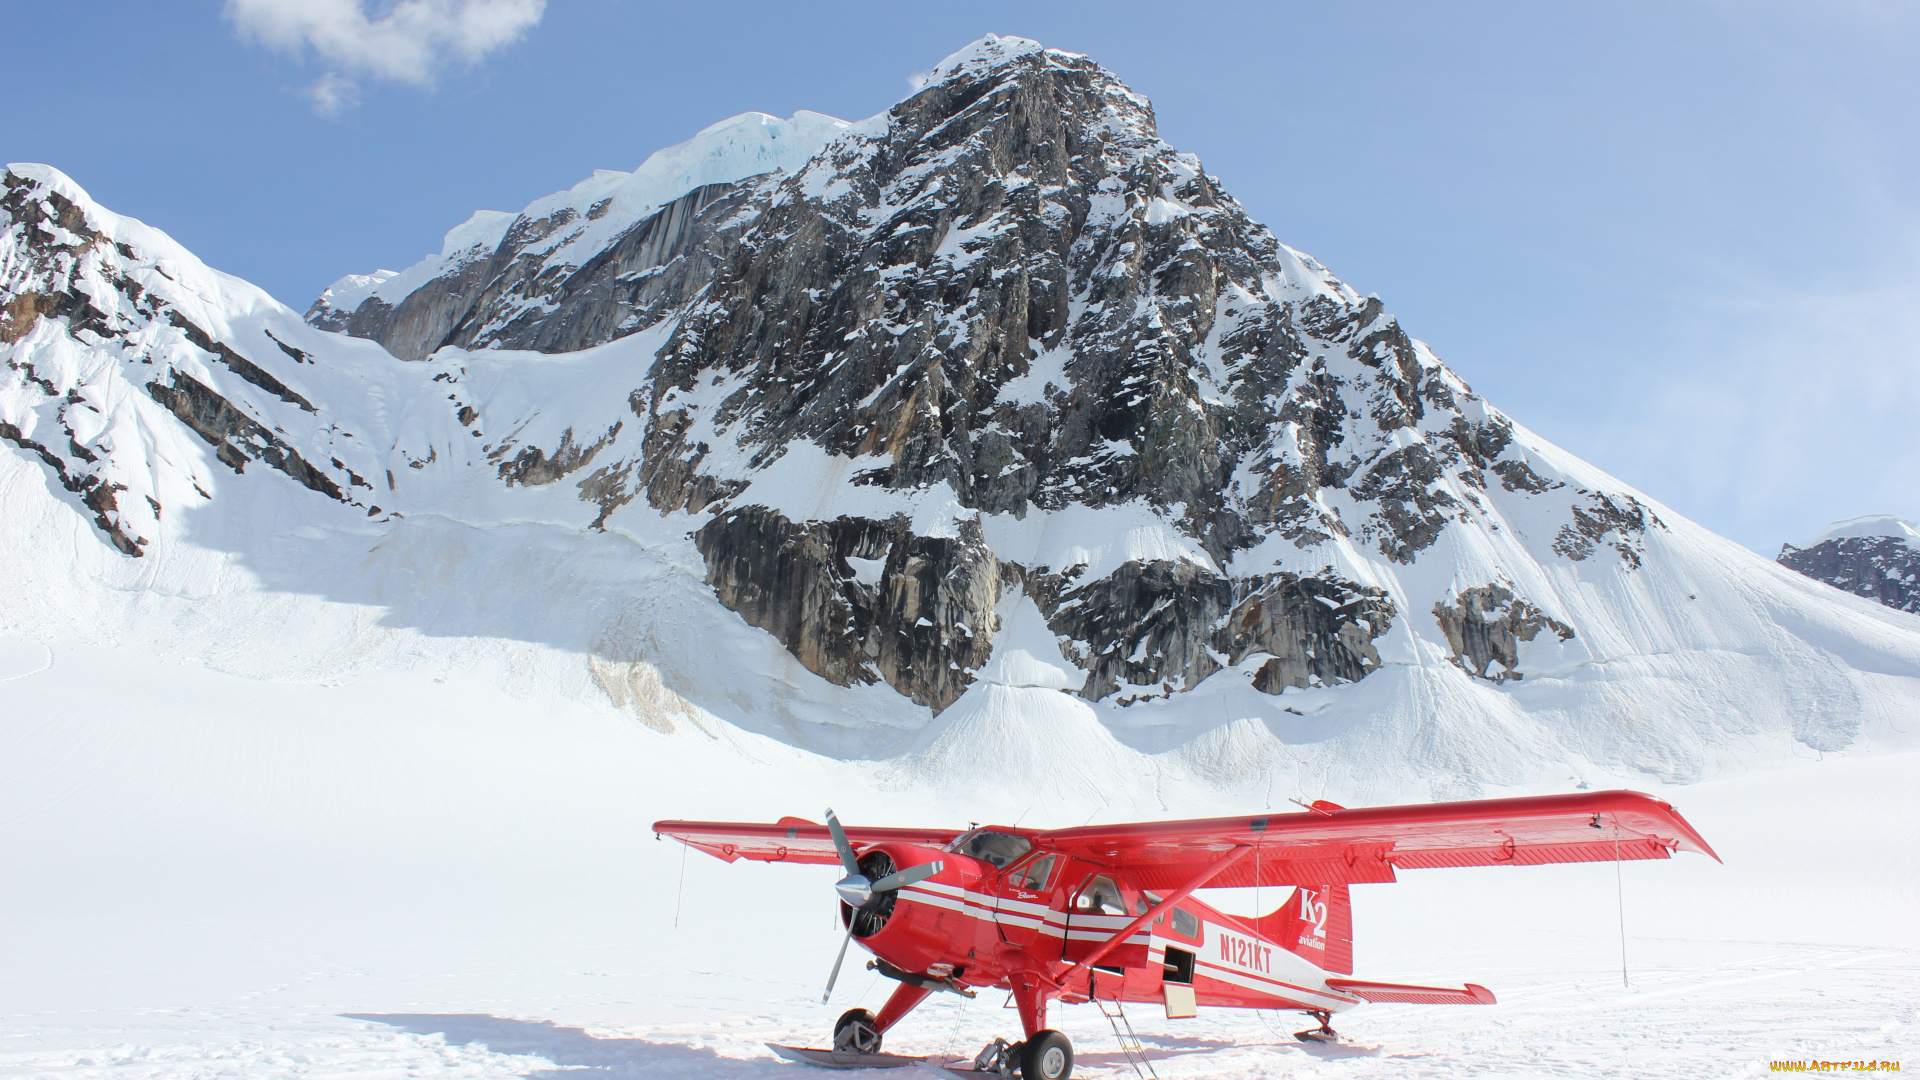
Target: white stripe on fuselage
<point x="1025" y="914"/>
<point x="1275" y="971"/>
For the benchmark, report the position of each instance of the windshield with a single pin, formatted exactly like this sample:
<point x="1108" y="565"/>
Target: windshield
<point x="998" y="848"/>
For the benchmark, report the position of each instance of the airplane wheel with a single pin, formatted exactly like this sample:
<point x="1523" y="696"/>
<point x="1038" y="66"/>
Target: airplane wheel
<point x="855" y="1031"/>
<point x="1046" y="1056"/>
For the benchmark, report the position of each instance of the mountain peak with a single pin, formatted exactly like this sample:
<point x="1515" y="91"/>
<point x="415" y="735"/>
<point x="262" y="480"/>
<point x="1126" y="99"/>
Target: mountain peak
<point x="987" y="53"/>
<point x="1876" y="557"/>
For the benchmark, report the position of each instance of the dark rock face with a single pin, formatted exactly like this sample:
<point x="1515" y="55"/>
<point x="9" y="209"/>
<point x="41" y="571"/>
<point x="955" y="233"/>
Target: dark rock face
<point x="922" y="618"/>
<point x="522" y="296"/>
<point x="532" y="465"/>
<point x="235" y="437"/>
<point x="1603" y="517"/>
<point x="1881" y="568"/>
<point x="1020" y="292"/>
<point x="1155" y="628"/>
<point x="1485" y="626"/>
<point x="1016" y="291"/>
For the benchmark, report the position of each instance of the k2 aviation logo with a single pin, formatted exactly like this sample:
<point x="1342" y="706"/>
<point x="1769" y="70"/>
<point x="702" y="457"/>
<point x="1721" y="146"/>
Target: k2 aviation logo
<point x="1313" y="917"/>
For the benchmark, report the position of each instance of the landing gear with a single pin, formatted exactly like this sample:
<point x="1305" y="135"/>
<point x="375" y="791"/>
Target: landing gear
<point x="1046" y="1056"/>
<point x="857" y="1032"/>
<point x="999" y="1057"/>
<point x="1322" y="1034"/>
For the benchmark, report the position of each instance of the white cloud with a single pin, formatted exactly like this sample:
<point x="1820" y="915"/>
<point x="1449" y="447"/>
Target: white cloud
<point x="333" y="92"/>
<point x="408" y="41"/>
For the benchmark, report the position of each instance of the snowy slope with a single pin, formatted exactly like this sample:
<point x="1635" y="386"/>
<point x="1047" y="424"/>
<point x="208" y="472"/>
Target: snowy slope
<point x="389" y="874"/>
<point x="132" y="366"/>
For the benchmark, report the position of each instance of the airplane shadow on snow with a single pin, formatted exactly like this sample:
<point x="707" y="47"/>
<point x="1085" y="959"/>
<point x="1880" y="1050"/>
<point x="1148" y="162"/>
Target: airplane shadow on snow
<point x="576" y="1054"/>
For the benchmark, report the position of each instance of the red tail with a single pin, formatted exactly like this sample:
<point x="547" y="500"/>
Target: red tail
<point x="1316" y="923"/>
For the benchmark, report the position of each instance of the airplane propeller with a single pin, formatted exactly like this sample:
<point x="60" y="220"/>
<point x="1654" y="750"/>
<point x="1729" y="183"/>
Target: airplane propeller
<point x="860" y="893"/>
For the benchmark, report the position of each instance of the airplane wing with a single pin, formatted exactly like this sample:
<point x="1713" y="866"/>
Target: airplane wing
<point x="1332" y="845"/>
<point x="792" y="839"/>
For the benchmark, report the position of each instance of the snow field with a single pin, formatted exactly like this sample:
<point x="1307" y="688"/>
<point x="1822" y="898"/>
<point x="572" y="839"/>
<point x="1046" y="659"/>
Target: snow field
<point x="299" y="817"/>
<point x="390" y="874"/>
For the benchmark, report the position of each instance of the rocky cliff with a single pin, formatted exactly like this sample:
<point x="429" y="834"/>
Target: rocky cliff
<point x="611" y="256"/>
<point x="1874" y="557"/>
<point x="1009" y="296"/>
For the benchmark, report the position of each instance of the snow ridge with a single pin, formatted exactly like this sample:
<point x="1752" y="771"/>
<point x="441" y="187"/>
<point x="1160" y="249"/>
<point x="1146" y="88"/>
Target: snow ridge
<point x="600" y="207"/>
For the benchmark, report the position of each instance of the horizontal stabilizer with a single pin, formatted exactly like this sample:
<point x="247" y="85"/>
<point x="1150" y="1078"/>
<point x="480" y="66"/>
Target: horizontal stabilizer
<point x="1413" y="995"/>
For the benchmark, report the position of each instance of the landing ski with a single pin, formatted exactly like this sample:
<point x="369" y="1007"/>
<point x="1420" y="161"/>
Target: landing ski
<point x="957" y="1072"/>
<point x="843" y="1059"/>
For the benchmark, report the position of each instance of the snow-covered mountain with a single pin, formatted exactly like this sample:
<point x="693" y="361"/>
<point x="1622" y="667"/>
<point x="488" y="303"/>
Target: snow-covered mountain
<point x="606" y="257"/>
<point x="988" y="435"/>
<point x="1877" y="557"/>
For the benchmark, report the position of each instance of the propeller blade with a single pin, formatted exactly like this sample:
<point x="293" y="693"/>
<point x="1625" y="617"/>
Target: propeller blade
<point x="908" y="876"/>
<point x="834" y="975"/>
<point x="847" y="857"/>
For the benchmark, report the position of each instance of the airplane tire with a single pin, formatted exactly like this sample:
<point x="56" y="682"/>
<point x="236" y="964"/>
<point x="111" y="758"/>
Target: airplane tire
<point x="855" y="1031"/>
<point x="1046" y="1056"/>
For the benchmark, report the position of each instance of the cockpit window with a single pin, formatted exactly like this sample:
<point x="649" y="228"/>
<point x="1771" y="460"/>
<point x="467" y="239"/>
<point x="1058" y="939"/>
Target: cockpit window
<point x="1101" y="896"/>
<point x="1033" y="877"/>
<point x="998" y="848"/>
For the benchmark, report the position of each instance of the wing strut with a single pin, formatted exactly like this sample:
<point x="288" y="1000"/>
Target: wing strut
<point x="1177" y="895"/>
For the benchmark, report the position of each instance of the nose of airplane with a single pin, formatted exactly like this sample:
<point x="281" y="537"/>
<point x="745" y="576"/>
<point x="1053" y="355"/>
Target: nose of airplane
<point x="855" y="889"/>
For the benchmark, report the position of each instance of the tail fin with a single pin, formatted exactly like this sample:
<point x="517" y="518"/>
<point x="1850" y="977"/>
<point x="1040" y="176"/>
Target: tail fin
<point x="1316" y="923"/>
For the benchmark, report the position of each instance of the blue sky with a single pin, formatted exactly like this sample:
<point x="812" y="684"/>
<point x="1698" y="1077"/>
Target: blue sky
<point x="1681" y="240"/>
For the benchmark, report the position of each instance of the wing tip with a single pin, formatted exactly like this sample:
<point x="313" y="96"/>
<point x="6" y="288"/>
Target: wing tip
<point x="1689" y="839"/>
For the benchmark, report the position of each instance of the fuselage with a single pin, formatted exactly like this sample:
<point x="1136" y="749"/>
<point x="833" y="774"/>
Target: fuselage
<point x="981" y="921"/>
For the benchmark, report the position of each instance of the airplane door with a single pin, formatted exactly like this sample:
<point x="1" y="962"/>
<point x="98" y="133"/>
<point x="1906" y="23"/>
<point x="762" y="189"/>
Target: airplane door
<point x="1021" y="901"/>
<point x="1176" y="983"/>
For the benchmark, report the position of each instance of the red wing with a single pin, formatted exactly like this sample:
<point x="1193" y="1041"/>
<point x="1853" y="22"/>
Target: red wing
<point x="1332" y="845"/>
<point x="791" y="840"/>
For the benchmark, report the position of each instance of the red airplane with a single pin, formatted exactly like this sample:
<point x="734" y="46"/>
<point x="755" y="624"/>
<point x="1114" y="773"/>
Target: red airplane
<point x="1107" y="913"/>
